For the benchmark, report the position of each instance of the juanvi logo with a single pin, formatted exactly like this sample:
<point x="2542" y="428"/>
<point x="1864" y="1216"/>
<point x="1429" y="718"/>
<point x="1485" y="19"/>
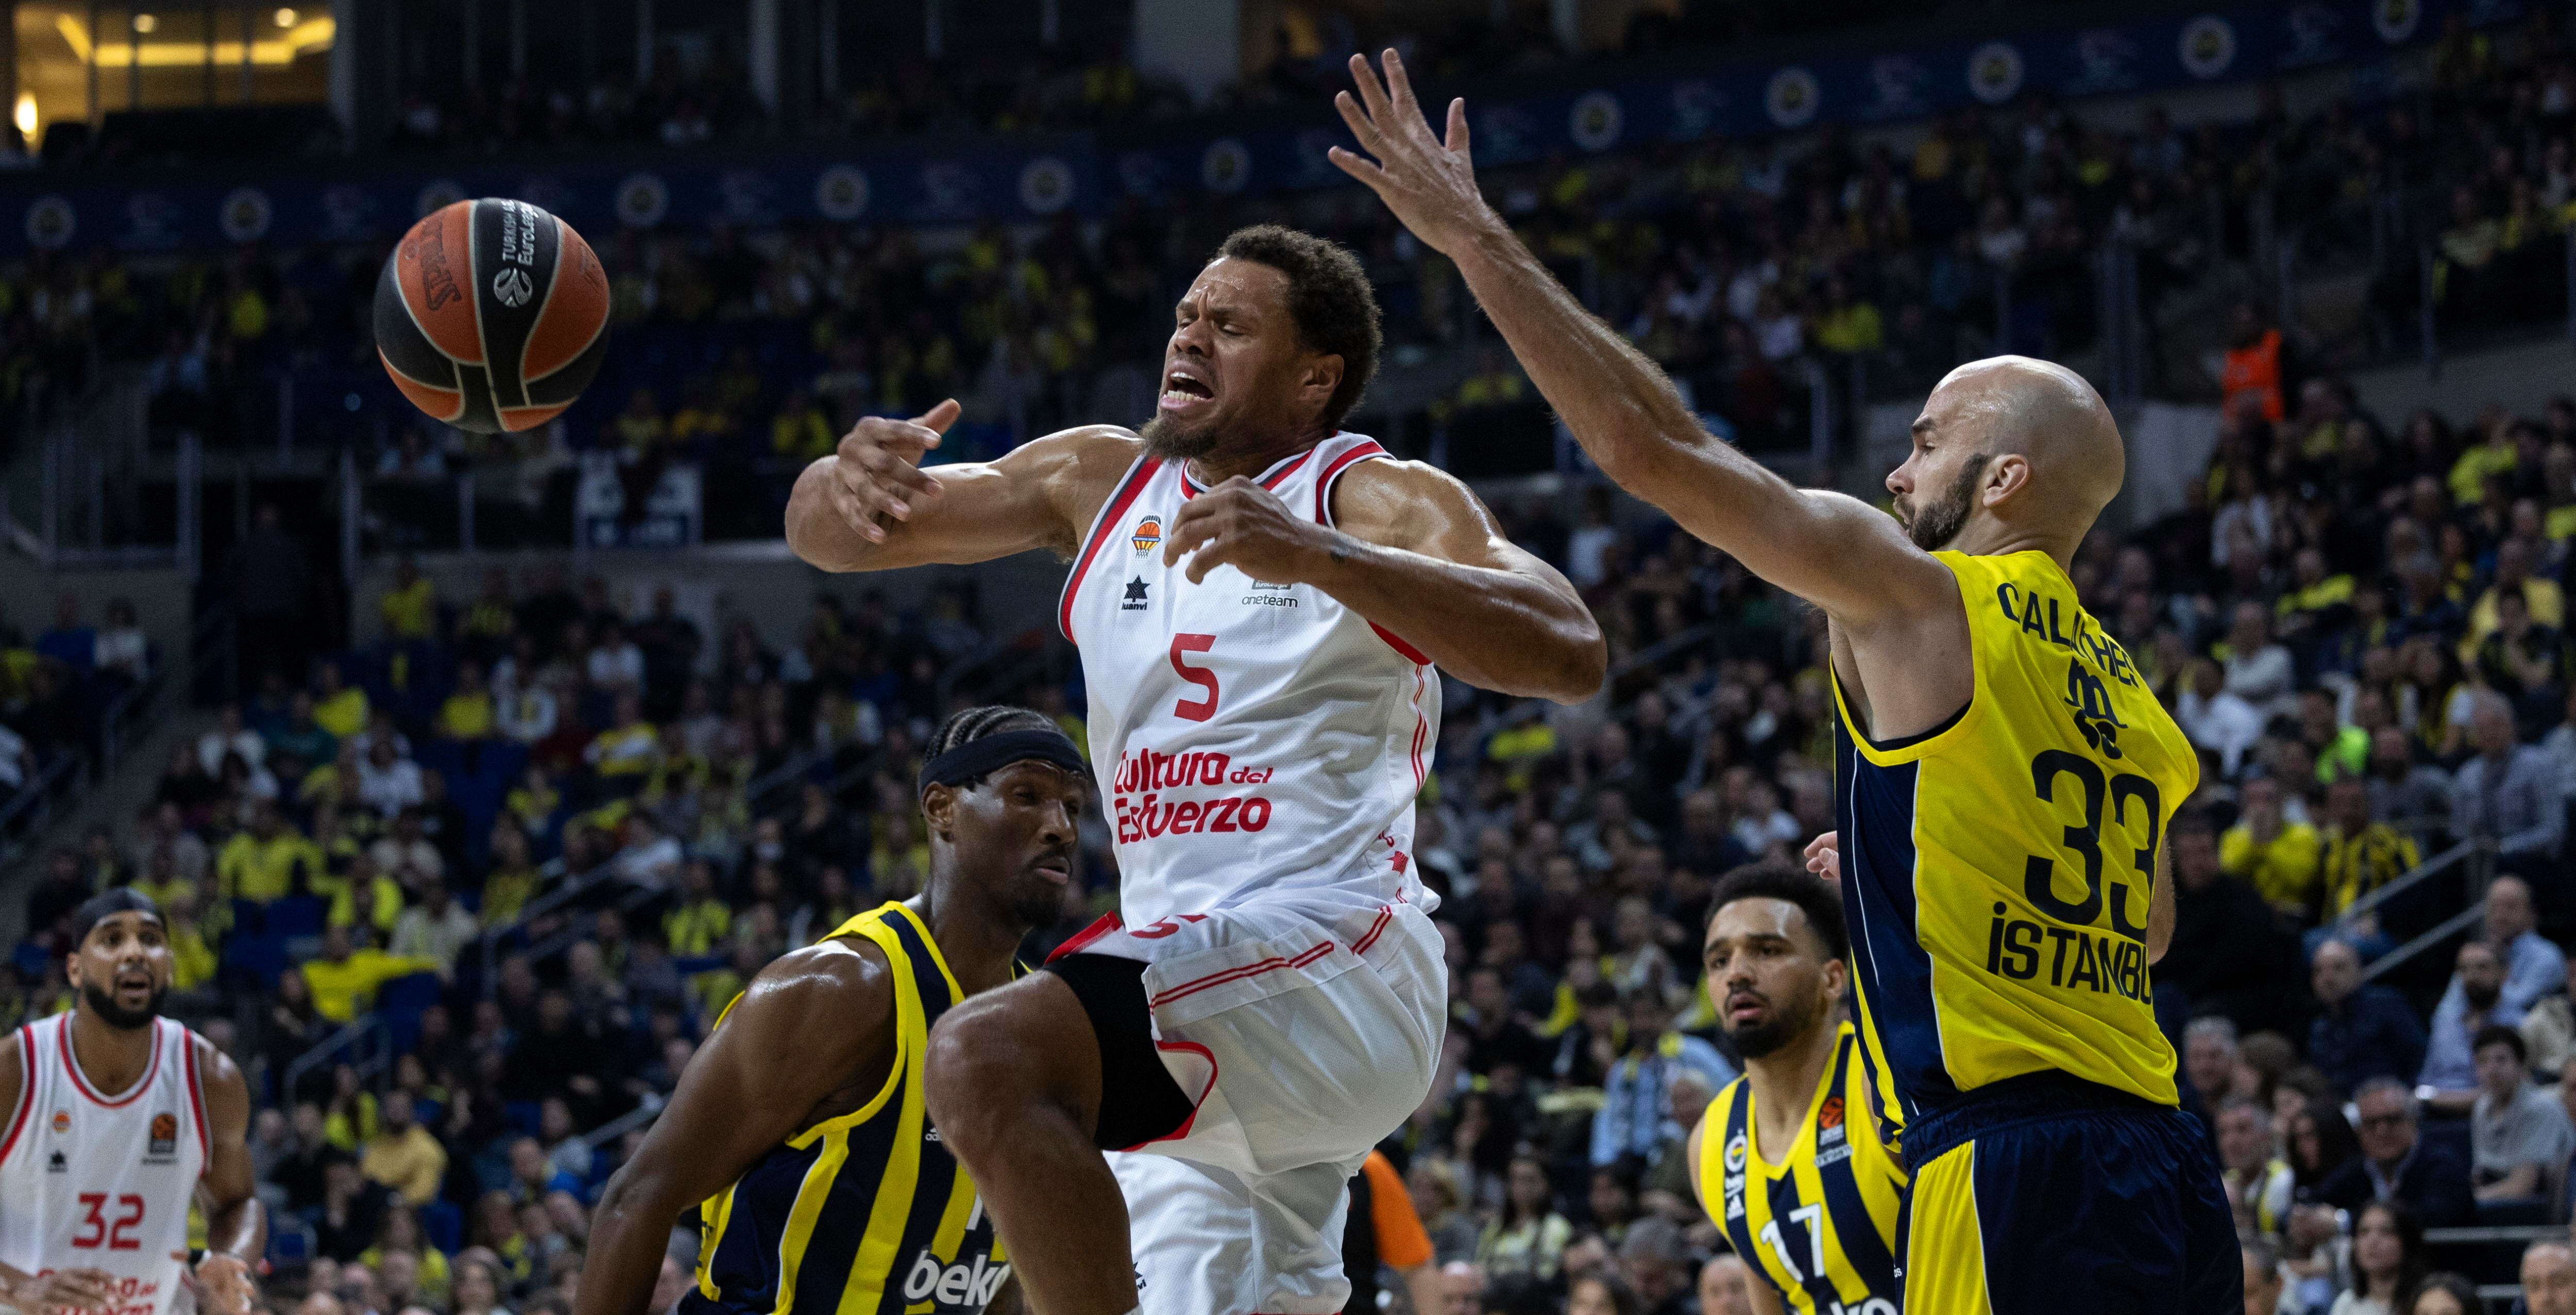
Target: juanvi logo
<point x="954" y="1286"/>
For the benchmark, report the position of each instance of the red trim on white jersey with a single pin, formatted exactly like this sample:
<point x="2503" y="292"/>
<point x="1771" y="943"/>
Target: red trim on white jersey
<point x="196" y="1097"/>
<point x="80" y="1083"/>
<point x="1110" y="513"/>
<point x="1279" y="470"/>
<point x="1101" y="926"/>
<point x="1249" y="970"/>
<point x="1324" y="482"/>
<point x="1204" y="1092"/>
<point x="26" y="1092"/>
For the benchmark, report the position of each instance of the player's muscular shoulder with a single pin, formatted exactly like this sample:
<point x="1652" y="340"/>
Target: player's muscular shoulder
<point x="827" y="1011"/>
<point x="1410" y="504"/>
<point x="1075" y="471"/>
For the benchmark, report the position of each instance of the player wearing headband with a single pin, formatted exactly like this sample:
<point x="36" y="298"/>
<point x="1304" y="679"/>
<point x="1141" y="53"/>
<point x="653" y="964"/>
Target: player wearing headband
<point x="119" y="1121"/>
<point x="798" y="1130"/>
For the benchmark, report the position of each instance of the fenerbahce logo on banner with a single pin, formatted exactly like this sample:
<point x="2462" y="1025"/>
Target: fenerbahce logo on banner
<point x="957" y="1287"/>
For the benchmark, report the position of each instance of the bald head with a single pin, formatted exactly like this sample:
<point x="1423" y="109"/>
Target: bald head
<point x="2032" y="446"/>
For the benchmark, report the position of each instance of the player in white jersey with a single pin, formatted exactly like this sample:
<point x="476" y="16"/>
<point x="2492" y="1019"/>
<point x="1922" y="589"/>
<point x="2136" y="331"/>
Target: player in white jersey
<point x="118" y="1120"/>
<point x="1259" y="600"/>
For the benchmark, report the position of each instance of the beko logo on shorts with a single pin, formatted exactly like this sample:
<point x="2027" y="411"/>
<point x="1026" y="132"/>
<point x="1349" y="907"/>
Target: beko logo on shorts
<point x="967" y="1287"/>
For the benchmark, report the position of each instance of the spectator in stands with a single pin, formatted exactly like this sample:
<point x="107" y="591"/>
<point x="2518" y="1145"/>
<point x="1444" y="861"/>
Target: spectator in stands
<point x="2263" y="1278"/>
<point x="435" y="927"/>
<point x="2472" y="1003"/>
<point x="344" y="978"/>
<point x="2534" y="966"/>
<point x="2209" y="1059"/>
<point x="403" y="1155"/>
<point x="67" y="641"/>
<point x="1527" y="1236"/>
<point x="2259" y="671"/>
<point x="2548" y="1279"/>
<point x="2518" y="1133"/>
<point x="2362" y="1030"/>
<point x="123" y="651"/>
<point x="534" y="1176"/>
<point x="2507" y="798"/>
<point x="2278" y="857"/>
<point x="388" y="782"/>
<point x="2260" y="1185"/>
<point x="1464" y="1284"/>
<point x="1636" y="1118"/>
<point x="230" y="736"/>
<point x="405" y="855"/>
<point x="2387" y="1258"/>
<point x="1722" y="1289"/>
<point x="266" y="860"/>
<point x="2362" y="853"/>
<point x="352" y="1209"/>
<point x="2232" y="961"/>
<point x="2402" y="788"/>
<point x="2397" y="1165"/>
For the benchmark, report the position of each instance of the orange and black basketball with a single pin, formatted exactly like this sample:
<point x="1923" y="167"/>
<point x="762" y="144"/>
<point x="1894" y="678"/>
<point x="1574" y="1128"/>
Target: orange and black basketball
<point x="492" y="315"/>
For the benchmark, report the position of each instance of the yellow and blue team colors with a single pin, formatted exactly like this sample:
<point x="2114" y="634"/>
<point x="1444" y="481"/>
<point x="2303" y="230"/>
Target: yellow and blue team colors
<point x="1819" y="1226"/>
<point x="865" y="1213"/>
<point x="1997" y="873"/>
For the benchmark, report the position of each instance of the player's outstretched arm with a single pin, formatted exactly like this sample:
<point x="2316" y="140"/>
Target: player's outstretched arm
<point x="228" y="1191"/>
<point x="1832" y="550"/>
<point x="799" y="1032"/>
<point x="870" y="506"/>
<point x="1412" y="550"/>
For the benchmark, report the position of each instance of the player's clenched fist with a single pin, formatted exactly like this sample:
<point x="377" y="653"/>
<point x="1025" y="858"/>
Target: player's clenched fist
<point x="876" y="474"/>
<point x="60" y="1291"/>
<point x="1243" y="525"/>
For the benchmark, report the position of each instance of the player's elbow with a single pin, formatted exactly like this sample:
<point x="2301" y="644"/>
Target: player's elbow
<point x="1581" y="663"/>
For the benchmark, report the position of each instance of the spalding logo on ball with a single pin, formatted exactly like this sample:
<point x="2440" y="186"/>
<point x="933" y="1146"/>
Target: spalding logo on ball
<point x="492" y="315"/>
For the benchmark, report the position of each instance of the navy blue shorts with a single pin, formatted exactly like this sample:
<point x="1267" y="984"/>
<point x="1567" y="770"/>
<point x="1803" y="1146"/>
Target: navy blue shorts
<point x="2044" y="1195"/>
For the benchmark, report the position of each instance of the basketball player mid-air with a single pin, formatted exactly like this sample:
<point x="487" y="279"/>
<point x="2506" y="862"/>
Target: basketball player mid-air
<point x="1799" y="1180"/>
<point x="119" y="1121"/>
<point x="800" y="1125"/>
<point x="1259" y="599"/>
<point x="2003" y="777"/>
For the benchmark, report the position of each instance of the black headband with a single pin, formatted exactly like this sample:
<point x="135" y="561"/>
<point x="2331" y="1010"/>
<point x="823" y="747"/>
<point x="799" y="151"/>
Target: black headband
<point x="977" y="758"/>
<point x="107" y="903"/>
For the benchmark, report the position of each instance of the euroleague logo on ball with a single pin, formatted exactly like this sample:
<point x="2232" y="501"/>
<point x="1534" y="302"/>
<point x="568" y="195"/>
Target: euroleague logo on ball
<point x="513" y="287"/>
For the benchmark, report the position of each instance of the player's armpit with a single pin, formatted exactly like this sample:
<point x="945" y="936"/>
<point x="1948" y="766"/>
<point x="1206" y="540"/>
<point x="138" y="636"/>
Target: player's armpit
<point x="1445" y="580"/>
<point x="1042" y="494"/>
<point x="804" y="1029"/>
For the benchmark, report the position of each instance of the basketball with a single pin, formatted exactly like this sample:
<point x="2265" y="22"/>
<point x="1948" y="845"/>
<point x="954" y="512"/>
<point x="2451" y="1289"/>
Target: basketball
<point x="492" y="315"/>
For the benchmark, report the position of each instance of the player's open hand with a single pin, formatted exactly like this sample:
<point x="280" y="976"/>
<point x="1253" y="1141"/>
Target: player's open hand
<point x="1429" y="183"/>
<point x="876" y="474"/>
<point x="224" y="1284"/>
<point x="1825" y="855"/>
<point x="64" y="1292"/>
<point x="1243" y="525"/>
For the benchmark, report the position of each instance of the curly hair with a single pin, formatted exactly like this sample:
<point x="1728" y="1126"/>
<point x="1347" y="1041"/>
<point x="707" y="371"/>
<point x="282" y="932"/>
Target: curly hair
<point x="1329" y="297"/>
<point x="1821" y="902"/>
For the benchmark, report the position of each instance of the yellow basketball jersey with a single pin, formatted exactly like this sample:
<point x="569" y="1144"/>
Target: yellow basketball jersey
<point x="865" y="1213"/>
<point x="1997" y="868"/>
<point x="1820" y="1226"/>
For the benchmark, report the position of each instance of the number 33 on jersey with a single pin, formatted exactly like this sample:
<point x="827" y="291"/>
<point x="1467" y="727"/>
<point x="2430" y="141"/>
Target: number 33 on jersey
<point x="2016" y="847"/>
<point x="1246" y="734"/>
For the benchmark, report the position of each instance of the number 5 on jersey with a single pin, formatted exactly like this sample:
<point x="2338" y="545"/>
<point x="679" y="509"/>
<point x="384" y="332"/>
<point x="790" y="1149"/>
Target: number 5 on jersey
<point x="1194" y="709"/>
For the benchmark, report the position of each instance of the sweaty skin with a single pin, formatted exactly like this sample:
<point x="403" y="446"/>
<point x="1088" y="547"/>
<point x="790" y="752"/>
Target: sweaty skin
<point x="2027" y="448"/>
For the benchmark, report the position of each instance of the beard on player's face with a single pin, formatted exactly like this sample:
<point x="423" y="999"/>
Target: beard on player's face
<point x="1167" y="439"/>
<point x="1788" y="1018"/>
<point x="101" y="1001"/>
<point x="1934" y="525"/>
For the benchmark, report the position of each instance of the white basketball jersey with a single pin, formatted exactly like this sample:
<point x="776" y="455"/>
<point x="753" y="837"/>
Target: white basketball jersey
<point x="93" y="1181"/>
<point x="1247" y="737"/>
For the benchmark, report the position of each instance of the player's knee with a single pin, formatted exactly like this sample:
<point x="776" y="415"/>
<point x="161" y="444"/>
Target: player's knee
<point x="975" y="1071"/>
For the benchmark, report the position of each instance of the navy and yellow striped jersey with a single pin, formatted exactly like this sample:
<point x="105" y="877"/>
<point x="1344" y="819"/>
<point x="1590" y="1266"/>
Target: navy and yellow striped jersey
<point x="1997" y="869"/>
<point x="1819" y="1226"/>
<point x="864" y="1213"/>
